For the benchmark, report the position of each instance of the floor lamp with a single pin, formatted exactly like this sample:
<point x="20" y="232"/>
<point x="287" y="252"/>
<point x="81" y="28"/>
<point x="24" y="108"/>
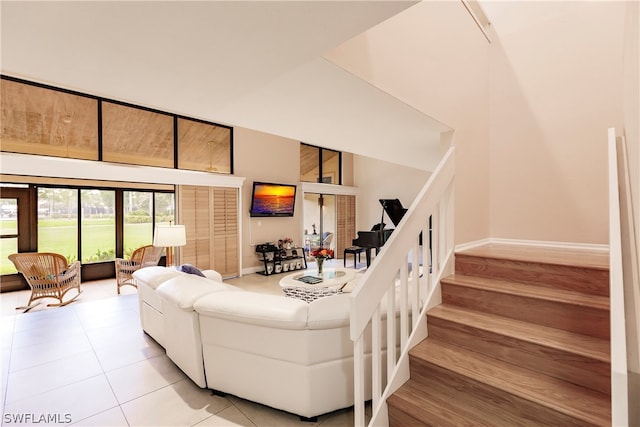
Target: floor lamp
<point x="168" y="236"/>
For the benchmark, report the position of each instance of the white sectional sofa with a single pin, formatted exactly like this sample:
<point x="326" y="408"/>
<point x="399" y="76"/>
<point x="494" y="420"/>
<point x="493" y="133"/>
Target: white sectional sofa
<point x="278" y="351"/>
<point x="148" y="280"/>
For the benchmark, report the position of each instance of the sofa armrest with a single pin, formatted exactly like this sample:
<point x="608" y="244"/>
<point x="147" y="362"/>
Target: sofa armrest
<point x="212" y="275"/>
<point x="329" y="312"/>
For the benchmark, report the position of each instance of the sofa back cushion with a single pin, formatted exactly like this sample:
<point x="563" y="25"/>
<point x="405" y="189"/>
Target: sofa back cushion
<point x="156" y="275"/>
<point x="254" y="308"/>
<point x="184" y="290"/>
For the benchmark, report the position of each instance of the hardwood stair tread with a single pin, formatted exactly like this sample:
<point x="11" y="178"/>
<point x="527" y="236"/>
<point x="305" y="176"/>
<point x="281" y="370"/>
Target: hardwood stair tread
<point x="530" y="291"/>
<point x="429" y="405"/>
<point x="521" y="339"/>
<point x="563" y="397"/>
<point x="583" y="345"/>
<point x="414" y="400"/>
<point x="584" y="258"/>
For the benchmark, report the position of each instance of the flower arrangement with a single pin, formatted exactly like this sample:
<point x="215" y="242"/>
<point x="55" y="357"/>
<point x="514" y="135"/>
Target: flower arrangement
<point x="288" y="240"/>
<point x="320" y="255"/>
<point x="323" y="253"/>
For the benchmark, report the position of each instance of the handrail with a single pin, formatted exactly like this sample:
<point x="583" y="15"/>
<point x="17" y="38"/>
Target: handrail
<point x="402" y="280"/>
<point x="624" y="296"/>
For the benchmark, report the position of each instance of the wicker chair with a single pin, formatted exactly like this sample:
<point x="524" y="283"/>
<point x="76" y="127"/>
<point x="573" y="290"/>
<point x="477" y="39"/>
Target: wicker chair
<point x="49" y="275"/>
<point x="144" y="256"/>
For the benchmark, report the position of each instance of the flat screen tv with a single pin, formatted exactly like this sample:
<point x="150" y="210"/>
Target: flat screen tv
<point x="272" y="200"/>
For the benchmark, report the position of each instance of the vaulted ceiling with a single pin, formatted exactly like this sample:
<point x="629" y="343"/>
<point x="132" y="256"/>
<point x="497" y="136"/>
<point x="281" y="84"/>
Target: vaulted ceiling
<point x="256" y="64"/>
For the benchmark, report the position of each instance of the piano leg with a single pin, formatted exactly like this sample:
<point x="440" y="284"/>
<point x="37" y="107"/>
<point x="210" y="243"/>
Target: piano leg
<point x="368" y="253"/>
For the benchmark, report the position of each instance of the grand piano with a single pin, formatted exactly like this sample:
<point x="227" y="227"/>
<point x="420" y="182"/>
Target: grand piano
<point x="377" y="237"/>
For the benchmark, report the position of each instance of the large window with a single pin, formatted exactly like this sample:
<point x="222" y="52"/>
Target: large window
<point x="138" y="220"/>
<point x="82" y="222"/>
<point x="15" y="235"/>
<point x="319" y="220"/>
<point x="330" y="162"/>
<point x="9" y="232"/>
<point x="98" y="225"/>
<point x="136" y="136"/>
<point x="320" y="165"/>
<point x="65" y="214"/>
<point x="143" y="209"/>
<point x="58" y="221"/>
<point x="204" y="146"/>
<point x="165" y="208"/>
<point x="40" y="119"/>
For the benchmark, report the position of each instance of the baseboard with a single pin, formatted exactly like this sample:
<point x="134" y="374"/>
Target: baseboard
<point x="251" y="270"/>
<point x="471" y="245"/>
<point x="536" y="244"/>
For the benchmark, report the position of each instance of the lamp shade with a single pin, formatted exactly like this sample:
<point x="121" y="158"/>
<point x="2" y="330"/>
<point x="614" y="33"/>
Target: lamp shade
<point x="170" y="235"/>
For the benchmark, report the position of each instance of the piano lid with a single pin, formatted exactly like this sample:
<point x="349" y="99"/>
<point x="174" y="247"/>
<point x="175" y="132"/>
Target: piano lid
<point x="393" y="208"/>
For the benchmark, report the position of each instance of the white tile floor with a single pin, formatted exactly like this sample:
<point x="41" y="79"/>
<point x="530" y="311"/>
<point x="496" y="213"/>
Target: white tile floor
<point x="90" y="364"/>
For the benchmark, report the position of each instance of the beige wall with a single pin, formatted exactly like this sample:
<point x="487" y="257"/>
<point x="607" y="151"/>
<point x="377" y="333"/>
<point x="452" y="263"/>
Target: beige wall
<point x="377" y="179"/>
<point x="632" y="102"/>
<point x="434" y="58"/>
<point x="556" y="87"/>
<point x="347" y="169"/>
<point x="260" y="156"/>
<point x="530" y="112"/>
<point x="264" y="157"/>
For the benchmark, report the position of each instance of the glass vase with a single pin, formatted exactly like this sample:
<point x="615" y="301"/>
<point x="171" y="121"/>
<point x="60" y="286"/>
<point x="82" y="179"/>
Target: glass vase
<point x="320" y="263"/>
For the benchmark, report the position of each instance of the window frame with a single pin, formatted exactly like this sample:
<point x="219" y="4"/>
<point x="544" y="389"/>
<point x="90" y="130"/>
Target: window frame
<point x="100" y="129"/>
<point x="95" y="270"/>
<point x="321" y="150"/>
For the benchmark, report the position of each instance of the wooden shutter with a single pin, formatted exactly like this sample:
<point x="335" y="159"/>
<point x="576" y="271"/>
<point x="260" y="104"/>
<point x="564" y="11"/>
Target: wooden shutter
<point x="210" y="215"/>
<point x="345" y="222"/>
<point x="202" y="237"/>
<point x="225" y="231"/>
<point x="194" y="208"/>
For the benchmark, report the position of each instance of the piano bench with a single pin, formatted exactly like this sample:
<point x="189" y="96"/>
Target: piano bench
<point x="356" y="251"/>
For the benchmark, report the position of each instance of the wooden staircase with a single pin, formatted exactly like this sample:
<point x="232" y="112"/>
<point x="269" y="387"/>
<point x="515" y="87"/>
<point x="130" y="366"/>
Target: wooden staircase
<point x="521" y="339"/>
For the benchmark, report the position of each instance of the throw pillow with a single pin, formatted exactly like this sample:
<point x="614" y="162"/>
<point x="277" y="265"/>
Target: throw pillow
<point x="190" y="269"/>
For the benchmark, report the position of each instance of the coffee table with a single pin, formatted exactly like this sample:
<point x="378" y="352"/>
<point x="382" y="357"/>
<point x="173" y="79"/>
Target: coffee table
<point x="331" y="278"/>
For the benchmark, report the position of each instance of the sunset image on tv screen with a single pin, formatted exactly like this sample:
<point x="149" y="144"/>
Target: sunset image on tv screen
<point x="273" y="199"/>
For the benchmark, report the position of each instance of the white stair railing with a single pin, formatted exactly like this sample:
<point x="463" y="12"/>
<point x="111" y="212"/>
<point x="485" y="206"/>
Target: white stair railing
<point x="403" y="279"/>
<point x="624" y="293"/>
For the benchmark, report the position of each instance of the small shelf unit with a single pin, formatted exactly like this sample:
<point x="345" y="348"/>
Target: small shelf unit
<point x="278" y="260"/>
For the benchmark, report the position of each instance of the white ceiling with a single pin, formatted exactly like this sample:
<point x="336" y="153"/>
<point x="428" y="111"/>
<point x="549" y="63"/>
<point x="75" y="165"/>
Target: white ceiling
<point x="256" y="64"/>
